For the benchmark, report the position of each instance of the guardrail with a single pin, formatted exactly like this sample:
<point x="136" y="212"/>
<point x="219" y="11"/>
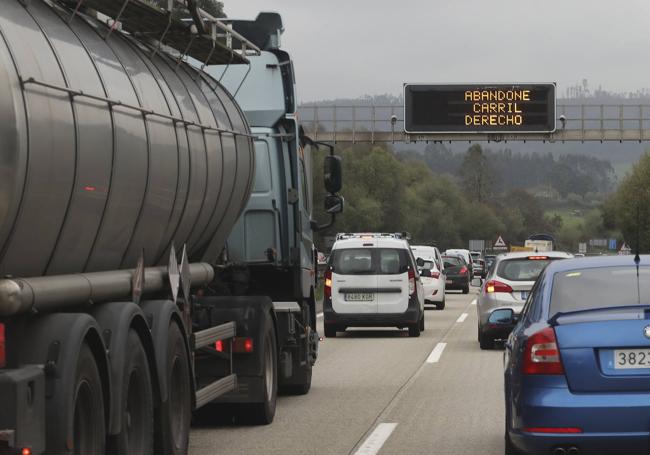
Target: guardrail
<point x="575" y="122"/>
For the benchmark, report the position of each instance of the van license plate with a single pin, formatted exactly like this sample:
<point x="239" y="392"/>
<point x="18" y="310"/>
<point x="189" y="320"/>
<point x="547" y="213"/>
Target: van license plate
<point x="359" y="297"/>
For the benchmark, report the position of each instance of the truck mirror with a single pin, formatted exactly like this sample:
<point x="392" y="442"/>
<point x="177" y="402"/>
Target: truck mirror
<point x="334" y="204"/>
<point x="333" y="174"/>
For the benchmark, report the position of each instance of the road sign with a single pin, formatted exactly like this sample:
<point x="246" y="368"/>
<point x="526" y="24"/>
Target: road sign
<point x="500" y="244"/>
<point x="479" y="108"/>
<point x="477" y="245"/>
<point x="625" y="250"/>
<point x="612" y="244"/>
<point x="582" y="247"/>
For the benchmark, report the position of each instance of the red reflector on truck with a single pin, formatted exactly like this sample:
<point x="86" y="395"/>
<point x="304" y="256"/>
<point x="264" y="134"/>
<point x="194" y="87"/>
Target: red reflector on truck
<point x="240" y="345"/>
<point x="3" y="355"/>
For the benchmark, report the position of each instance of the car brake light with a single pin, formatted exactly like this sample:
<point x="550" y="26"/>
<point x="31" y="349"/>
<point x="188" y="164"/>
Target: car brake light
<point x="328" y="283"/>
<point x="496" y="286"/>
<point x="218" y="346"/>
<point x="542" y="355"/>
<point x="411" y="282"/>
<point x="463" y="270"/>
<point x="537" y="258"/>
<point x="3" y="355"/>
<point x="435" y="275"/>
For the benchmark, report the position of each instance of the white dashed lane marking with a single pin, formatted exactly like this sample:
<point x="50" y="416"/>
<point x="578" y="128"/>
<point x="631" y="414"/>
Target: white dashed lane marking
<point x="435" y="355"/>
<point x="462" y="317"/>
<point x="376" y="440"/>
<point x="473" y="302"/>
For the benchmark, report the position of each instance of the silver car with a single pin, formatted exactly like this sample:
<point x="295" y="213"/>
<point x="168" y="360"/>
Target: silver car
<point x="507" y="286"/>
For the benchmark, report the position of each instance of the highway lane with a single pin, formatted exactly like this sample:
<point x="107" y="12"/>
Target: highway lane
<point x="379" y="391"/>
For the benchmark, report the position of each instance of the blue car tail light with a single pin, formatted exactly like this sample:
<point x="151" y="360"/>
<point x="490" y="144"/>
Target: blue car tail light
<point x="542" y="354"/>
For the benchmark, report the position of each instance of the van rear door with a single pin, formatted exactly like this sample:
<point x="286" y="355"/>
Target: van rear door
<point x="392" y="279"/>
<point x="354" y="281"/>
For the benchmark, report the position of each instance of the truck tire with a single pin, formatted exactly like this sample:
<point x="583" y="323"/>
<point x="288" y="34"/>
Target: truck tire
<point x="87" y="407"/>
<point x="137" y="433"/>
<point x="264" y="412"/>
<point x="176" y="413"/>
<point x="302" y="380"/>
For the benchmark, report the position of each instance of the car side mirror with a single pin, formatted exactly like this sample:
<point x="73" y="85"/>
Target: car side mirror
<point x="334" y="204"/>
<point x="333" y="174"/>
<point x="504" y="316"/>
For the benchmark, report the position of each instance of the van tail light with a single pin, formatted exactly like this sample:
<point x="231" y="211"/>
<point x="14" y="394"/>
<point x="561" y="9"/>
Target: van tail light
<point x="3" y="355"/>
<point x="328" y="283"/>
<point x="542" y="355"/>
<point x="411" y="282"/>
<point x="435" y="275"/>
<point x="463" y="270"/>
<point x="493" y="286"/>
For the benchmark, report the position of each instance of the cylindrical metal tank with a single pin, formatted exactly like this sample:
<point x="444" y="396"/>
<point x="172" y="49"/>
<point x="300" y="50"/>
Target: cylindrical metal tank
<point x="108" y="151"/>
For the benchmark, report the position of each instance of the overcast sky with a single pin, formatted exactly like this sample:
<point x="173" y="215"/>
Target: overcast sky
<point x="351" y="48"/>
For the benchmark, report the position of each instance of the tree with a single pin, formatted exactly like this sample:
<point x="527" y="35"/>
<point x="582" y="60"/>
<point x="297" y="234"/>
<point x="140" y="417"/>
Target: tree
<point x="477" y="174"/>
<point x="632" y="205"/>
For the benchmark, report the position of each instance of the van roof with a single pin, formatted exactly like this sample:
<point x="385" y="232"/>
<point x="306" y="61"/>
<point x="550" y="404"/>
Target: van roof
<point x="374" y="242"/>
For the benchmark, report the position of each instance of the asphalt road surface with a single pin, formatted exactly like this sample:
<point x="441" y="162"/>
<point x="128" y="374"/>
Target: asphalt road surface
<point x="379" y="391"/>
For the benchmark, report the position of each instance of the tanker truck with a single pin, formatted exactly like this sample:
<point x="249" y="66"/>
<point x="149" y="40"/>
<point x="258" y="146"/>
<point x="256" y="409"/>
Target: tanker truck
<point x="148" y="267"/>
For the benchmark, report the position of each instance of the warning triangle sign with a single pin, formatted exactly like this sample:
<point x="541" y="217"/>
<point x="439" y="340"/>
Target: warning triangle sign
<point x="500" y="243"/>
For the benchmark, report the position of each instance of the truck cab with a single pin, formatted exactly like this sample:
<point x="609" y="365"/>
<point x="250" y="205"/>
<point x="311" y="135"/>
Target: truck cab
<point x="270" y="251"/>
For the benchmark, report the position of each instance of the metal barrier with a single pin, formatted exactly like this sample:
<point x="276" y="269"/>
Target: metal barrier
<point x="575" y="122"/>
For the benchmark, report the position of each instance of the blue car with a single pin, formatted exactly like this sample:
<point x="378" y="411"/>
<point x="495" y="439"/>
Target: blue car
<point x="577" y="363"/>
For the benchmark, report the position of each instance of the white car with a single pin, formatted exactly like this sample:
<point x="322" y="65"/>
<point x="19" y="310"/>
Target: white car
<point x="372" y="280"/>
<point x="507" y="286"/>
<point x="433" y="281"/>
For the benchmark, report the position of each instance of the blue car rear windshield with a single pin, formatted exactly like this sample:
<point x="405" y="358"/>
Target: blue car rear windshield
<point x="604" y="287"/>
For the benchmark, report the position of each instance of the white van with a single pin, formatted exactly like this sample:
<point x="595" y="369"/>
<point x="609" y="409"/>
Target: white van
<point x="372" y="280"/>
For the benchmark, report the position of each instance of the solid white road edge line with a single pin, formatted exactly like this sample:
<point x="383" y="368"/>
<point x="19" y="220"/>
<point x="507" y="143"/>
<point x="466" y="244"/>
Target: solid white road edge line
<point x="435" y="355"/>
<point x="319" y="315"/>
<point x="462" y="317"/>
<point x="376" y="440"/>
<point x="473" y="302"/>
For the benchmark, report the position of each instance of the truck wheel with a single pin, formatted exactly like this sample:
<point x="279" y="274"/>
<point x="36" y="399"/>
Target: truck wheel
<point x="88" y="404"/>
<point x="176" y="412"/>
<point x="414" y="330"/>
<point x="264" y="412"/>
<point x="136" y="436"/>
<point x="302" y="380"/>
<point x="330" y="331"/>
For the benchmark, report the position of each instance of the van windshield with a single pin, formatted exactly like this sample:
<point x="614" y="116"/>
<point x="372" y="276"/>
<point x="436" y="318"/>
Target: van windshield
<point x="369" y="261"/>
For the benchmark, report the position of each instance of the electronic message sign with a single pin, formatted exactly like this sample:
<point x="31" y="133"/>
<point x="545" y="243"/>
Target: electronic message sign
<point x="479" y="108"/>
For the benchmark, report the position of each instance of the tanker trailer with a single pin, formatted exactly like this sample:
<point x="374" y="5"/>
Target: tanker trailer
<point x="115" y="154"/>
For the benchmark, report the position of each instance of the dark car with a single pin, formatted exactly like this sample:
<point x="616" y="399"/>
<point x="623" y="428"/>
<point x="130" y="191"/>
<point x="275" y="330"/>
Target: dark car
<point x="489" y="262"/>
<point x="577" y="364"/>
<point x="457" y="274"/>
<point x="479" y="268"/>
